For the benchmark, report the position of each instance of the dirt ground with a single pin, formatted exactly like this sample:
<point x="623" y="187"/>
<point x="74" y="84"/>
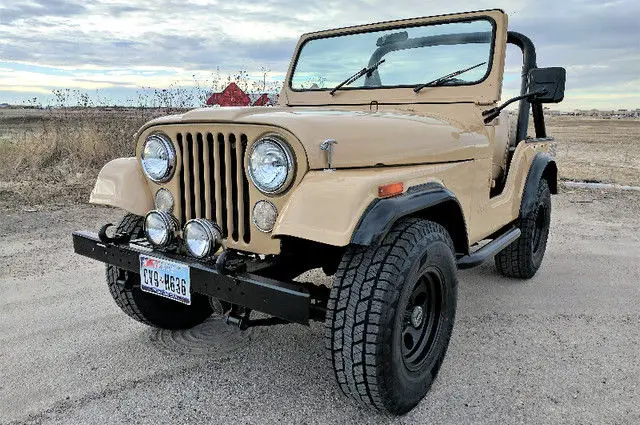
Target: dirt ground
<point x="563" y="347"/>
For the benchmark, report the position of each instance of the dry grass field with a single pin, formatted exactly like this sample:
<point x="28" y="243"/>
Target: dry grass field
<point x="603" y="150"/>
<point x="52" y="156"/>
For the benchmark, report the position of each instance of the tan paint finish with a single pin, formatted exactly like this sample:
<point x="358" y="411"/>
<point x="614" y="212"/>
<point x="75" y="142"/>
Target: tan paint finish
<point x="261" y="243"/>
<point x="504" y="208"/>
<point x="121" y="183"/>
<point x="398" y="139"/>
<point x="394" y="135"/>
<point x="486" y="92"/>
<point x="499" y="131"/>
<point x="327" y="205"/>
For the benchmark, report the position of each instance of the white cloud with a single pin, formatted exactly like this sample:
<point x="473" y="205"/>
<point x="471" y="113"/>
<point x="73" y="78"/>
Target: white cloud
<point x="90" y="45"/>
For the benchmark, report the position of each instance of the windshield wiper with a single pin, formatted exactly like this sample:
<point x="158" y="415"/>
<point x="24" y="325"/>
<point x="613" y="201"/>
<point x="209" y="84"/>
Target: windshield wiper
<point x="356" y="76"/>
<point x="440" y="81"/>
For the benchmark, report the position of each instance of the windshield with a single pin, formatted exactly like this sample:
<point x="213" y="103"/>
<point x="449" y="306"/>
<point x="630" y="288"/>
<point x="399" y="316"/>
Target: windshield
<point x="412" y="56"/>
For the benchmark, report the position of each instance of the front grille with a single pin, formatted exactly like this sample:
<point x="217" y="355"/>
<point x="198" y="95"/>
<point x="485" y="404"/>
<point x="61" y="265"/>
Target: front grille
<point x="213" y="182"/>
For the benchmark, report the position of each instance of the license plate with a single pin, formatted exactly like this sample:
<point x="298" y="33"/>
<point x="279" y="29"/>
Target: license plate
<point x="165" y="278"/>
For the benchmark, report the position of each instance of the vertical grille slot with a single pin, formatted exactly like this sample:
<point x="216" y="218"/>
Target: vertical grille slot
<point x="213" y="182"/>
<point x="209" y="172"/>
<point x="201" y="193"/>
<point x="228" y="185"/>
<point x="222" y="163"/>
<point x="244" y="200"/>
<point x="196" y="173"/>
<point x="235" y="206"/>
<point x="183" y="204"/>
<point x="191" y="194"/>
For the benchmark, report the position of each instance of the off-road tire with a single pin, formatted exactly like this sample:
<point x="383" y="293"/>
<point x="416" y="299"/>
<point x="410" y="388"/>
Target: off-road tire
<point x="523" y="257"/>
<point x="147" y="308"/>
<point x="366" y="315"/>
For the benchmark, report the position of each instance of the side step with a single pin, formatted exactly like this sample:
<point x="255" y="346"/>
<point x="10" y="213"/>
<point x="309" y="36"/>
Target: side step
<point x="489" y="250"/>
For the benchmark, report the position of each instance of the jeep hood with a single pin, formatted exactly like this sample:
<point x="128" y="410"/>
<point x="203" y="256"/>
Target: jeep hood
<point x="364" y="139"/>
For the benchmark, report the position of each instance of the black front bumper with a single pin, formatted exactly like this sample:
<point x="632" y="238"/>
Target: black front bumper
<point x="286" y="300"/>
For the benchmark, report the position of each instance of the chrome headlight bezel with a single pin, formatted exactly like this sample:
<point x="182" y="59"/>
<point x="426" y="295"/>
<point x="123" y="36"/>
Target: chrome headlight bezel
<point x="170" y="168"/>
<point x="289" y="159"/>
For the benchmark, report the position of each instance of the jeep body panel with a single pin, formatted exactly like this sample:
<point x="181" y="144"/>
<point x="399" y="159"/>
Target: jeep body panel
<point x="430" y="134"/>
<point x="324" y="206"/>
<point x="122" y="184"/>
<point x="314" y="212"/>
<point x="485" y="92"/>
<point x="542" y="167"/>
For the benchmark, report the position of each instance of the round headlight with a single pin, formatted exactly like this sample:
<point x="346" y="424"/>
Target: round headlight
<point x="202" y="237"/>
<point x="163" y="200"/>
<point x="271" y="166"/>
<point x="158" y="158"/>
<point x="264" y="216"/>
<point x="160" y="227"/>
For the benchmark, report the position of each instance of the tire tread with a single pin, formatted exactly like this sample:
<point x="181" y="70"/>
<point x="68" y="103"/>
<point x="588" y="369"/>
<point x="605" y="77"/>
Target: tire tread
<point x="370" y="280"/>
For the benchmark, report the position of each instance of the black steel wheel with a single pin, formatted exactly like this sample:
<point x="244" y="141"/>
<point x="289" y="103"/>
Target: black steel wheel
<point x="147" y="308"/>
<point x="390" y="315"/>
<point x="523" y="258"/>
<point x="421" y="319"/>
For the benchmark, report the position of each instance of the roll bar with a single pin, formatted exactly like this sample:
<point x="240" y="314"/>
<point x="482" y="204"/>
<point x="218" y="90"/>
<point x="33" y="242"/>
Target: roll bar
<point x="528" y="63"/>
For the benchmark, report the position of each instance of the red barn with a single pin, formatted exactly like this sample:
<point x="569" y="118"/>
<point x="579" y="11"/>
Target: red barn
<point x="232" y="95"/>
<point x="262" y="100"/>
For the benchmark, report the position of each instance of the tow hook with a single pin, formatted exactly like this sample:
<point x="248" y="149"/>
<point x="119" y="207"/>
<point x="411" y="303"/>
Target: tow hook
<point x="227" y="262"/>
<point x="116" y="238"/>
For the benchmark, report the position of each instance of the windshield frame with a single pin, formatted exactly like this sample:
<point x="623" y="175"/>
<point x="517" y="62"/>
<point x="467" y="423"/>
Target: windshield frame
<point x="397" y="26"/>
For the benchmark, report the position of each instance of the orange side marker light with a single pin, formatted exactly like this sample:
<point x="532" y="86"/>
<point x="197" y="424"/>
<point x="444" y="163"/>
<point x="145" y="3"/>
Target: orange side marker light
<point x="391" y="189"/>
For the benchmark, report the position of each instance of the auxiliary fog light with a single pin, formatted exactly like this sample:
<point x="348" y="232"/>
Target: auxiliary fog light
<point x="160" y="227"/>
<point x="264" y="216"/>
<point x="202" y="237"/>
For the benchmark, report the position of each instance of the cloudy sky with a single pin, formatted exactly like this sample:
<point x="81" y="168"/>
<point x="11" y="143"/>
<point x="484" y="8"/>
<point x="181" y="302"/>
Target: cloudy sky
<point x="113" y="48"/>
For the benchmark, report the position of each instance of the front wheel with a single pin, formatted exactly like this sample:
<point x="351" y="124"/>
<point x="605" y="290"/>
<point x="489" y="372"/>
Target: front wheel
<point x="390" y="315"/>
<point x="147" y="308"/>
<point x="523" y="257"/>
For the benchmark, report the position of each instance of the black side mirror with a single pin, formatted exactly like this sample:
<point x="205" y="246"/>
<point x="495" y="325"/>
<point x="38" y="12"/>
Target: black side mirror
<point x="548" y="84"/>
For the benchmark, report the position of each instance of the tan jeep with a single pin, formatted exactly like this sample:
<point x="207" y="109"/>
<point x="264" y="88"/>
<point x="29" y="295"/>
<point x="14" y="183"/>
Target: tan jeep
<point x="387" y="163"/>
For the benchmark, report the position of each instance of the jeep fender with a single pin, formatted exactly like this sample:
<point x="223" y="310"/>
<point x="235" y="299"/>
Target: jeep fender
<point x="431" y="201"/>
<point x="542" y="167"/>
<point x="342" y="207"/>
<point x="121" y="184"/>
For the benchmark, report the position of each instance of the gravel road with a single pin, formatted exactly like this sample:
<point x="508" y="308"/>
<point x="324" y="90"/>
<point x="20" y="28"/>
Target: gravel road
<point x="560" y="348"/>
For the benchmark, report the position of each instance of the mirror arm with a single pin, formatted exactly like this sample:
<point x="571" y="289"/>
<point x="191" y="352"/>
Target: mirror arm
<point x="490" y="114"/>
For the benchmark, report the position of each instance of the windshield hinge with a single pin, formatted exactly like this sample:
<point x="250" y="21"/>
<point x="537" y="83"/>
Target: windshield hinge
<point x="373" y="106"/>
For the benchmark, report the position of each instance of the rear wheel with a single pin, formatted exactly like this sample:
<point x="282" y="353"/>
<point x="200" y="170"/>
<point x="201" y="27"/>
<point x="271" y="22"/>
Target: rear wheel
<point x="523" y="258"/>
<point x="390" y="315"/>
<point x="150" y="309"/>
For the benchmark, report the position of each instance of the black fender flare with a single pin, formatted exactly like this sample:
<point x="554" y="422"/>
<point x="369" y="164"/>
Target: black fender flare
<point x="542" y="167"/>
<point x="382" y="214"/>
